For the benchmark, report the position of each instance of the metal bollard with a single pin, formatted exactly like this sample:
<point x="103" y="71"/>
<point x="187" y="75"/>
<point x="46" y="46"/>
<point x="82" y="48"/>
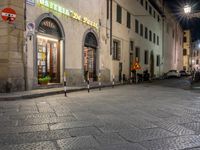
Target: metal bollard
<point x="99" y="81"/>
<point x="113" y="82"/>
<point x="100" y="86"/>
<point x="88" y="85"/>
<point x="65" y="85"/>
<point x="131" y="78"/>
<point x="65" y="88"/>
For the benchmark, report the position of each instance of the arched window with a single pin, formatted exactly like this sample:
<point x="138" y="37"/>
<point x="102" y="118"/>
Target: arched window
<point x="49" y="26"/>
<point x="90" y="40"/>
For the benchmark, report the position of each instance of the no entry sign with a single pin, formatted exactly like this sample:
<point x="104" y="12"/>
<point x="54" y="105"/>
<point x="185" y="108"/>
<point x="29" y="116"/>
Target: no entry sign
<point x="8" y="14"/>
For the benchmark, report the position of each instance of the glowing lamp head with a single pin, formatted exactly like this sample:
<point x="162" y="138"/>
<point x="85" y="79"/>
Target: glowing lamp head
<point x="187" y="9"/>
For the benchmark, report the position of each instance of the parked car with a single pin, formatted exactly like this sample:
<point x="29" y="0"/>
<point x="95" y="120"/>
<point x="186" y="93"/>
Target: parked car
<point x="173" y="73"/>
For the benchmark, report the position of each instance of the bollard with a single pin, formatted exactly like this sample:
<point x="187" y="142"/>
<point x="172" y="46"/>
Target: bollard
<point x="113" y="82"/>
<point x="99" y="81"/>
<point x="136" y="77"/>
<point x="88" y="85"/>
<point x="65" y="84"/>
<point x="100" y="86"/>
<point x="65" y="88"/>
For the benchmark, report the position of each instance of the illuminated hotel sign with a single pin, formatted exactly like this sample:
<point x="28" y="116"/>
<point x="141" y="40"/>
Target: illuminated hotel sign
<point x="66" y="12"/>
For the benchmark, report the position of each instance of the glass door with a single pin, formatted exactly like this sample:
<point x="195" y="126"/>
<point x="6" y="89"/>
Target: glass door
<point x="53" y="61"/>
<point x="48" y="58"/>
<point x="90" y="63"/>
<point x="41" y="58"/>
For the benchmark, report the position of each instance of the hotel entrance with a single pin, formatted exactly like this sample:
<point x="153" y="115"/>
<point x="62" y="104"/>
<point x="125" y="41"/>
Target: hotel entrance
<point x="48" y="51"/>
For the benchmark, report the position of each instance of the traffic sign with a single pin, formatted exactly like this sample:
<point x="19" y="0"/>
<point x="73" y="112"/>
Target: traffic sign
<point x="8" y="14"/>
<point x="136" y="66"/>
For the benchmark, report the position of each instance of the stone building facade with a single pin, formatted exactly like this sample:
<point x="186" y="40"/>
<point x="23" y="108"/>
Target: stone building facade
<point x="187" y="50"/>
<point x="11" y="49"/>
<point x="195" y="55"/>
<point x="85" y="40"/>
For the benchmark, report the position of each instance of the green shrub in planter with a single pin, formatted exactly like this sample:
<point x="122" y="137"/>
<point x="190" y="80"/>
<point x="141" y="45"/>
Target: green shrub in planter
<point x="44" y="80"/>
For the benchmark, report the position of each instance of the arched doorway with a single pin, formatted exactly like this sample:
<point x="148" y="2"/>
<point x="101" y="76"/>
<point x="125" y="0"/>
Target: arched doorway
<point x="90" y="57"/>
<point x="152" y="64"/>
<point x="49" y="50"/>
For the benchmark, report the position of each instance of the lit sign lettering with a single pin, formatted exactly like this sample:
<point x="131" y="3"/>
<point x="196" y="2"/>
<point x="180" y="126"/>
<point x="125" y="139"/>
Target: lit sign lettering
<point x="66" y="12"/>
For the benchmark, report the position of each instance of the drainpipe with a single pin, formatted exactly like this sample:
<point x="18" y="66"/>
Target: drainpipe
<point x="111" y="25"/>
<point x="163" y="31"/>
<point x="25" y="50"/>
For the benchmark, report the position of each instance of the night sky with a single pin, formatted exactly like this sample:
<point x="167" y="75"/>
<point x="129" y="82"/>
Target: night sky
<point x="192" y="24"/>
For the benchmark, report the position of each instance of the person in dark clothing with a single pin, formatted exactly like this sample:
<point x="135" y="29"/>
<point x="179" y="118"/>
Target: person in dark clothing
<point x="146" y="75"/>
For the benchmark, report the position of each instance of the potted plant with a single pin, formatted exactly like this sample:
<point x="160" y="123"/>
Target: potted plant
<point x="45" y="80"/>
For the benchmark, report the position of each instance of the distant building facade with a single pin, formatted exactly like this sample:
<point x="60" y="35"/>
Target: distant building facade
<point x="187" y="50"/>
<point x="172" y="38"/>
<point x="195" y="55"/>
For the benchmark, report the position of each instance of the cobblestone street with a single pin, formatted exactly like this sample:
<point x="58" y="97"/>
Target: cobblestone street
<point x="134" y="117"/>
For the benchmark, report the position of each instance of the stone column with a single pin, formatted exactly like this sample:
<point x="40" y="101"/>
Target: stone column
<point x="12" y="48"/>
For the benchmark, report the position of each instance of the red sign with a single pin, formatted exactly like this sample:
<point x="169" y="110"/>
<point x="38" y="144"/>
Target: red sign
<point x="136" y="66"/>
<point x="8" y="14"/>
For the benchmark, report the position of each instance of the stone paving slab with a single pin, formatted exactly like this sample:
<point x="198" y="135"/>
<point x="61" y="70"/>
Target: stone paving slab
<point x="85" y="131"/>
<point x="30" y="146"/>
<point x="180" y="120"/>
<point x="68" y="125"/>
<point x="134" y="146"/>
<point x="192" y="149"/>
<point x="23" y="129"/>
<point x="142" y="124"/>
<point x="175" y="128"/>
<point x="31" y="116"/>
<point x="46" y="120"/>
<point x="33" y="137"/>
<point x="195" y="126"/>
<point x="78" y="143"/>
<point x="147" y="134"/>
<point x="10" y="123"/>
<point x="174" y="143"/>
<point x="110" y="139"/>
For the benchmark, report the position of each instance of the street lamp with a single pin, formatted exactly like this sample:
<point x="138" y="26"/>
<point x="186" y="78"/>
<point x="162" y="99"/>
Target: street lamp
<point x="187" y="9"/>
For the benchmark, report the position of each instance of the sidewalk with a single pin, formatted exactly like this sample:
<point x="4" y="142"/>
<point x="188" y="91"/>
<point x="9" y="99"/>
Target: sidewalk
<point x="47" y="92"/>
